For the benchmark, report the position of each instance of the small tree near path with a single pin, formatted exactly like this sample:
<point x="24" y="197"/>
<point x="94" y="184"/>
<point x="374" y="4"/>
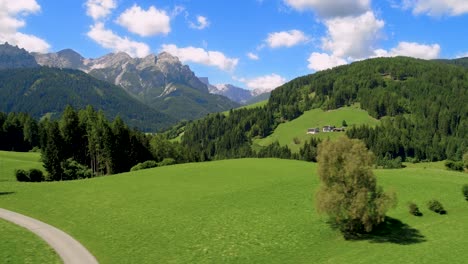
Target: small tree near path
<point x="349" y="194"/>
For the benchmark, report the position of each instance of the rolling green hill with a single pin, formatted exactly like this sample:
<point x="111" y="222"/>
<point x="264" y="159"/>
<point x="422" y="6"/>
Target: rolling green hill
<point x="421" y="105"/>
<point x="42" y="91"/>
<point x="287" y="132"/>
<point x="242" y="211"/>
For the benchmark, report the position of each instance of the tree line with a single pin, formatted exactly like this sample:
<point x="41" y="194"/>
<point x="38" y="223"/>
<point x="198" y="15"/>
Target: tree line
<point x="84" y="143"/>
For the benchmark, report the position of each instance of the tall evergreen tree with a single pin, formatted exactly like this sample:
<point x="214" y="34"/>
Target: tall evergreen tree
<point x="53" y="152"/>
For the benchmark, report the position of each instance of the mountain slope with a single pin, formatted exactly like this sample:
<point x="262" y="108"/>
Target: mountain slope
<point x="459" y="62"/>
<point x="421" y="104"/>
<point x="41" y="91"/>
<point x="12" y="57"/>
<point x="154" y="80"/>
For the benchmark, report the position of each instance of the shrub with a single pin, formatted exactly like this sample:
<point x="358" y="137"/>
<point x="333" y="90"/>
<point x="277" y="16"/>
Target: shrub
<point x="36" y="175"/>
<point x="296" y="140"/>
<point x="145" y="165"/>
<point x="72" y="170"/>
<point x="436" y="206"/>
<point x="33" y="175"/>
<point x="414" y="210"/>
<point x="454" y="165"/>
<point x="465" y="191"/>
<point x="167" y="162"/>
<point x="388" y="163"/>
<point x="22" y="175"/>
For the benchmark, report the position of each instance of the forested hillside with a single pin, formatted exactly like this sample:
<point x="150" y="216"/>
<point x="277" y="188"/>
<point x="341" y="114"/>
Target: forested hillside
<point x="44" y="91"/>
<point x="422" y="105"/>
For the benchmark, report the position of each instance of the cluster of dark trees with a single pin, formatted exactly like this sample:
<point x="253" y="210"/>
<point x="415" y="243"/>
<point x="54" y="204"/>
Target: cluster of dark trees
<point x="422" y="105"/>
<point x="84" y="143"/>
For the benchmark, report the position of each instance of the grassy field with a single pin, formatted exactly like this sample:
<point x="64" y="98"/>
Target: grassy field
<point x="18" y="245"/>
<point x="242" y="211"/>
<point x="250" y="106"/>
<point x="9" y="161"/>
<point x="286" y="132"/>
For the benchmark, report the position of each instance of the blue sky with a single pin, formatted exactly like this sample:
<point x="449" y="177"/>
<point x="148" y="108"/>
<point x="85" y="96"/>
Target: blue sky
<point x="256" y="44"/>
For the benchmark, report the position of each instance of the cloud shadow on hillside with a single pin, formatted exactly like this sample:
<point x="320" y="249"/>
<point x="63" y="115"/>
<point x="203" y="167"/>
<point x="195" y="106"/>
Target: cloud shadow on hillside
<point x="391" y="231"/>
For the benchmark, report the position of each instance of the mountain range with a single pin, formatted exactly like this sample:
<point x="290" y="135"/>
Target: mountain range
<point x="160" y="81"/>
<point x="237" y="94"/>
<point x="44" y="91"/>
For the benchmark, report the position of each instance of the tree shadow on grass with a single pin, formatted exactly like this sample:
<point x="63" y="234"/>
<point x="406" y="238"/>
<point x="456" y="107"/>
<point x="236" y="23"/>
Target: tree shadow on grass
<point x="6" y="193"/>
<point x="391" y="231"/>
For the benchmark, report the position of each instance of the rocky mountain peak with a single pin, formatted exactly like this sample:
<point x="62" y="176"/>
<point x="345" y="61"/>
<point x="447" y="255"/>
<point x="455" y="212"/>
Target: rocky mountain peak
<point x="15" y="57"/>
<point x="167" y="58"/>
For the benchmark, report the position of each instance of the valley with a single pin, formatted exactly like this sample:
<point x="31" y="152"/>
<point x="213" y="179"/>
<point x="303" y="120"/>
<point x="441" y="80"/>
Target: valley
<point x="234" y="131"/>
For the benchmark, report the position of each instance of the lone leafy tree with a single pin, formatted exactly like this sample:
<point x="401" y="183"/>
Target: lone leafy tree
<point x="349" y="194"/>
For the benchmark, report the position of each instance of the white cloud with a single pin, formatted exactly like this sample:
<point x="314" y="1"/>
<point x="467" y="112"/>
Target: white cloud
<point x="109" y="40"/>
<point x="331" y="8"/>
<point x="11" y="20"/>
<point x="352" y="37"/>
<point x="202" y="56"/>
<point x="28" y="42"/>
<point x="412" y="49"/>
<point x="145" y="22"/>
<point x="437" y="7"/>
<point x="323" y="61"/>
<point x="202" y="23"/>
<point x="265" y="83"/>
<point x="286" y="38"/>
<point x="252" y="56"/>
<point x="98" y="9"/>
<point x="462" y="55"/>
<point x="178" y="10"/>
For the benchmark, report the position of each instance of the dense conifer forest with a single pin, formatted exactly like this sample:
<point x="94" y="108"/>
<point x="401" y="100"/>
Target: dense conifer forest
<point x="422" y="105"/>
<point x="44" y="91"/>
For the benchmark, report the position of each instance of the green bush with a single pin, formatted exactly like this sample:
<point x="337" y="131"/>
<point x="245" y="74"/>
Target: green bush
<point x="436" y="206"/>
<point x="465" y="191"/>
<point x="22" y="175"/>
<point x="167" y="162"/>
<point x="33" y="175"/>
<point x="145" y="165"/>
<point x="36" y="175"/>
<point x="72" y="170"/>
<point x="454" y="165"/>
<point x="388" y="163"/>
<point x="414" y="210"/>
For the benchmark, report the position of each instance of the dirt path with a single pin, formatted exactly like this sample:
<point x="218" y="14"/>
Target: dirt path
<point x="69" y="250"/>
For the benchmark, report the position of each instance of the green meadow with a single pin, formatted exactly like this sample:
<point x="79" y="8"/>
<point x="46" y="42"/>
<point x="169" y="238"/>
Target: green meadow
<point x="21" y="246"/>
<point x="286" y="133"/>
<point x="242" y="211"/>
<point x="10" y="161"/>
<point x="250" y="106"/>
